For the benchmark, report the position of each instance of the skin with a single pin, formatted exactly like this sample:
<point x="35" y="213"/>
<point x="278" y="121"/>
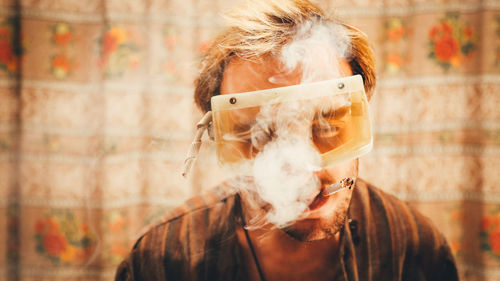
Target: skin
<point x="306" y="249"/>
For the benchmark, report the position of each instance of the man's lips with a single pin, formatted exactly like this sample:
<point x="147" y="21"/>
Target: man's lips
<point x="336" y="187"/>
<point x="327" y="190"/>
<point x="319" y="200"/>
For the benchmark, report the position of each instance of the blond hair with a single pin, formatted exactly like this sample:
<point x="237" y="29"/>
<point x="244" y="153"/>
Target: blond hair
<point x="260" y="28"/>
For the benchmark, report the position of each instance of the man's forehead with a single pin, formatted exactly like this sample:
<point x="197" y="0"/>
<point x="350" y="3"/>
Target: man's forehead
<point x="241" y="75"/>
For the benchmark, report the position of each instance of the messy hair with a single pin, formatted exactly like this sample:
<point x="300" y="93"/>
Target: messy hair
<point x="261" y="28"/>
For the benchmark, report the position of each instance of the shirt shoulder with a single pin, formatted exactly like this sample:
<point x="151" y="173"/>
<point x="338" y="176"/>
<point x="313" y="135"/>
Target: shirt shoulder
<point x="207" y="200"/>
<point x="388" y="214"/>
<point x="399" y="235"/>
<point x="178" y="243"/>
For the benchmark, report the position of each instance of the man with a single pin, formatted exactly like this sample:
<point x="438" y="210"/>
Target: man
<point x="355" y="234"/>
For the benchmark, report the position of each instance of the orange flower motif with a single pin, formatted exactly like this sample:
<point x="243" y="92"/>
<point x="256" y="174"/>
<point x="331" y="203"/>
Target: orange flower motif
<point x="119" y="51"/>
<point x="39" y="226"/>
<point x="433" y="32"/>
<point x="5" y="34"/>
<point x="439" y="31"/>
<point x="7" y="56"/>
<point x="394" y="59"/>
<point x="62" y="39"/>
<point x="61" y="62"/>
<point x="61" y="66"/>
<point x="83" y="254"/>
<point x="118" y="249"/>
<point x="451" y="42"/>
<point x="54" y="243"/>
<point x="494" y="240"/>
<point x="120" y="34"/>
<point x="485" y="224"/>
<point x="12" y="65"/>
<point x="61" y="34"/>
<point x="111" y="40"/>
<point x="117" y="225"/>
<point x="52" y="224"/>
<point x="109" y="44"/>
<point x="447" y="29"/>
<point x="457" y="216"/>
<point x="446" y="49"/>
<point x="490" y="234"/>
<point x="395" y="29"/>
<point x="468" y="32"/>
<point x="62" y="238"/>
<point x="69" y="254"/>
<point x="395" y="34"/>
<point x="84" y="228"/>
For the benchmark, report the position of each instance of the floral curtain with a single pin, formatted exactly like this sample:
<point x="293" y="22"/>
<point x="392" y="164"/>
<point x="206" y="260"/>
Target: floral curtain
<point x="96" y="114"/>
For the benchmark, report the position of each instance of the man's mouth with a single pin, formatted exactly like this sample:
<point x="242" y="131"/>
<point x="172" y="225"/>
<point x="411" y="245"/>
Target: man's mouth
<point x="320" y="199"/>
<point x="336" y="187"/>
<point x="327" y="190"/>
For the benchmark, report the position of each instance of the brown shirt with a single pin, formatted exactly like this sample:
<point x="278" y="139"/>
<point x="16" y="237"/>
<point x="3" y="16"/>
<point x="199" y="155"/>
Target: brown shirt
<point x="384" y="239"/>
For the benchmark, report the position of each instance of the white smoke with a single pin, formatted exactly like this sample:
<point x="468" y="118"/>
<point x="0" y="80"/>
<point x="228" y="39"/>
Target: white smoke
<point x="283" y="170"/>
<point x="316" y="50"/>
<point x="284" y="177"/>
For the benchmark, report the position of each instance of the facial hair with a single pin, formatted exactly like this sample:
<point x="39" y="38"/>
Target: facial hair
<point x="308" y="230"/>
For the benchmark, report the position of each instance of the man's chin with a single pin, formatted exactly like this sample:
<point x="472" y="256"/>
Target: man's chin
<point x="309" y="230"/>
<point x="312" y="228"/>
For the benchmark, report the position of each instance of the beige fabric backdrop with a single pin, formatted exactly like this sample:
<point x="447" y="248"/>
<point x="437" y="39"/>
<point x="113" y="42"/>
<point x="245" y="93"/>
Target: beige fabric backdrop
<point x="96" y="119"/>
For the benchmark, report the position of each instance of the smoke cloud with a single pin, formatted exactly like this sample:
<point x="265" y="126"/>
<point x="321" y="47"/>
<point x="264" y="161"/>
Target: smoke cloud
<point x="282" y="173"/>
<point x="316" y="50"/>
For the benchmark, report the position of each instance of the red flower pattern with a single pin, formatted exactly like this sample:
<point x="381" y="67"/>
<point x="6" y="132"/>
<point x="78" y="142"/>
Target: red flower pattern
<point x="54" y="243"/>
<point x="62" y="39"/>
<point x="119" y="51"/>
<point x="446" y="49"/>
<point x="451" y="42"/>
<point x="494" y="240"/>
<point x="61" y="62"/>
<point x="490" y="234"/>
<point x="63" y="239"/>
<point x="8" y="59"/>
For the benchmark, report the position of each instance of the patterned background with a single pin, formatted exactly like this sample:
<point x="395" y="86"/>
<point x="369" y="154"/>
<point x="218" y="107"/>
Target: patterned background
<point x="96" y="116"/>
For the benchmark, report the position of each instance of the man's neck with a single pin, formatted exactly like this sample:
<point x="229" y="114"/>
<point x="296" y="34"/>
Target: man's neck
<point x="282" y="257"/>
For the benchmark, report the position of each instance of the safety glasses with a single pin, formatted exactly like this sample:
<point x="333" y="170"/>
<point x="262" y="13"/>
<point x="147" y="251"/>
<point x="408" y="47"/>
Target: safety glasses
<point x="332" y="115"/>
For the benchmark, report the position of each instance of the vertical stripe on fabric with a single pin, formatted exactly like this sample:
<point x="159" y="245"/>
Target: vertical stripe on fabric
<point x="172" y="255"/>
<point x="397" y="229"/>
<point x="382" y="232"/>
<point x="360" y="211"/>
<point x="348" y="258"/>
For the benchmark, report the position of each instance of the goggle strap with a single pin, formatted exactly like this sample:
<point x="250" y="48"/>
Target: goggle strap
<point x="194" y="149"/>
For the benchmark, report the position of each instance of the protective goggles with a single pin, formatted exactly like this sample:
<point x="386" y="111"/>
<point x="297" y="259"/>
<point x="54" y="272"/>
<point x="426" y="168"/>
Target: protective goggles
<point x="333" y="115"/>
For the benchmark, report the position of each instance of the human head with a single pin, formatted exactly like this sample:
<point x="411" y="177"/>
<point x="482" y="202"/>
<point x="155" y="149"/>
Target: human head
<point x="249" y="51"/>
<point x="263" y="28"/>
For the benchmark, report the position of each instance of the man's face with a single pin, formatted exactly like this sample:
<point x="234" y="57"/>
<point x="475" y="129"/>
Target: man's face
<point x="326" y="215"/>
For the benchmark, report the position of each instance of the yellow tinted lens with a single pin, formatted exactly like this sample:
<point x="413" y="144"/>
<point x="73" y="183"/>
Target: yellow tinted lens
<point x="329" y="129"/>
<point x="234" y="133"/>
<point x="347" y="134"/>
<point x="335" y="120"/>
